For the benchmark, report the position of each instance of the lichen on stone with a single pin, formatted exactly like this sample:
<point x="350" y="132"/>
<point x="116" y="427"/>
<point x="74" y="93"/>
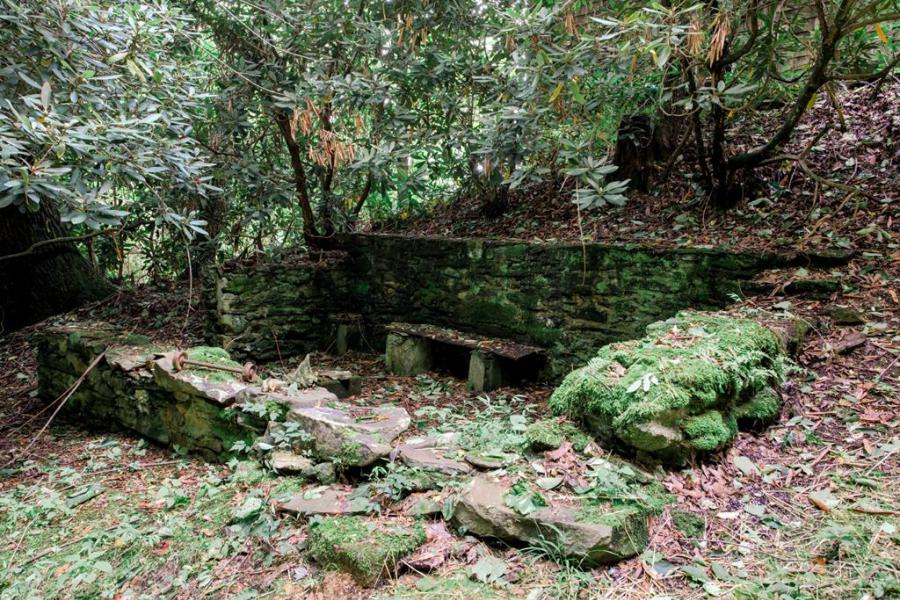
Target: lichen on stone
<point x="674" y="392"/>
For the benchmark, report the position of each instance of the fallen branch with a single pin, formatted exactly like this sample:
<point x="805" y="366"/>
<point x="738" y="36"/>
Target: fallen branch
<point x="65" y="397"/>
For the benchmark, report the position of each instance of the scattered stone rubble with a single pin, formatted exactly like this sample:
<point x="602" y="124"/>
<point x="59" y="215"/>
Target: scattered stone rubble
<point x="676" y="394"/>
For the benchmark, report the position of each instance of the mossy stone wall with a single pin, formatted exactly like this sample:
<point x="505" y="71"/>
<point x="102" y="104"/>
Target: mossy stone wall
<point x="114" y="396"/>
<point x="569" y="298"/>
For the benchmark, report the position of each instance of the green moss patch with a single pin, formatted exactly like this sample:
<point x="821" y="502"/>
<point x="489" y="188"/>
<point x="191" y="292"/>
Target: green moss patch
<point x="365" y="549"/>
<point x="762" y="408"/>
<point x="688" y="523"/>
<point x="213" y="356"/>
<point x="674" y="393"/>
<point x="550" y="434"/>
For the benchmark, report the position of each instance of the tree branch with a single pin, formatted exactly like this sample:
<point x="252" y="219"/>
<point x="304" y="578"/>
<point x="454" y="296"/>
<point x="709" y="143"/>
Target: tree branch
<point x="309" y="222"/>
<point x="868" y="76"/>
<point x="747" y="46"/>
<point x="367" y="189"/>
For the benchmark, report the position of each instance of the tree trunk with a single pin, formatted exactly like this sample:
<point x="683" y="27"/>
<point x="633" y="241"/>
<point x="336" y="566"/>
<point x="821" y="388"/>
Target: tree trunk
<point x="634" y="151"/>
<point x="49" y="279"/>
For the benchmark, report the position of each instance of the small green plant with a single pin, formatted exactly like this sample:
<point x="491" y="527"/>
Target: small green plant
<point x="290" y="435"/>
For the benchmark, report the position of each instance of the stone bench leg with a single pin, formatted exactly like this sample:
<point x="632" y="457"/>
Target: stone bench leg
<point x="342" y="339"/>
<point x="407" y="355"/>
<point x="485" y="373"/>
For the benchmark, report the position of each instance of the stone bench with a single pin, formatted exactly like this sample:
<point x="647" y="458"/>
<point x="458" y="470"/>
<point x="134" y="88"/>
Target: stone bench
<point x="487" y="363"/>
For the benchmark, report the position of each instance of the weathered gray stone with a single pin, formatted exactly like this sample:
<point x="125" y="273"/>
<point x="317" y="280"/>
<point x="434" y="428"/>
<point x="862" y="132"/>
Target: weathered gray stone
<point x="593" y="535"/>
<point x="342" y="384"/>
<point x="407" y="355"/>
<point x="129" y="358"/>
<point x="352" y="436"/>
<point x="306" y="398"/>
<point x="491" y="462"/>
<point x="433" y="459"/>
<point x="217" y="386"/>
<point x="485" y="372"/>
<point x="124" y="392"/>
<point x="321" y="501"/>
<point x="422" y="505"/>
<point x="286" y="462"/>
<point x="324" y="473"/>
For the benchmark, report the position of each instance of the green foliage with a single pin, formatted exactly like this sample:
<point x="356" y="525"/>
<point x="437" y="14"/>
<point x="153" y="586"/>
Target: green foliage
<point x="108" y="544"/>
<point x="98" y="102"/>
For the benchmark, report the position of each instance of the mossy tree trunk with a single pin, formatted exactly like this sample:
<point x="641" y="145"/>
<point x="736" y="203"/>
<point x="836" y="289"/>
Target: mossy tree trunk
<point x="41" y="271"/>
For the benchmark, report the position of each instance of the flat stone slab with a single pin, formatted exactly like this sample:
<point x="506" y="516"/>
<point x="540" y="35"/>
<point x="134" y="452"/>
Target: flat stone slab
<point x="497" y="346"/>
<point x="342" y="384"/>
<point x="350" y="435"/>
<point x="436" y="453"/>
<point x="592" y="534"/>
<point x="321" y="501"/>
<point x="218" y="387"/>
<point x="288" y="463"/>
<point x="433" y="459"/>
<point x="129" y="358"/>
<point x="491" y="462"/>
<point x="305" y="398"/>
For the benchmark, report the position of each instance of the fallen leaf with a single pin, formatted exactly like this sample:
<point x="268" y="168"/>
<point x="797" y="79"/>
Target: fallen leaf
<point x="824" y="500"/>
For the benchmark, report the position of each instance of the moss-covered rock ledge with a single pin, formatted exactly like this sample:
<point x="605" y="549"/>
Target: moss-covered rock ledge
<point x="129" y="383"/>
<point x="684" y="388"/>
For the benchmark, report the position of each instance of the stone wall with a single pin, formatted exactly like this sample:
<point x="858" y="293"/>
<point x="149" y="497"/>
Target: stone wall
<point x="123" y="392"/>
<point x="568" y="298"/>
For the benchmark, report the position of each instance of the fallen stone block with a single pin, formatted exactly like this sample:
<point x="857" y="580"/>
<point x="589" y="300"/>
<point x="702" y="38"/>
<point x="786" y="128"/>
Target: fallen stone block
<point x="323" y="501"/>
<point x="433" y="459"/>
<point x="591" y="534"/>
<point x="368" y="550"/>
<point x="286" y="462"/>
<point x="437" y="453"/>
<point x="351" y="436"/>
<point x="342" y="384"/>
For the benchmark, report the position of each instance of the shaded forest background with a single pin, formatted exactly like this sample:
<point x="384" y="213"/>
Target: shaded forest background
<point x="142" y="141"/>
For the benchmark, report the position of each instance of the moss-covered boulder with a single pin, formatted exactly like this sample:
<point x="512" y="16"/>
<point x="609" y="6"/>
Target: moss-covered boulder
<point x="679" y="391"/>
<point x="368" y="550"/>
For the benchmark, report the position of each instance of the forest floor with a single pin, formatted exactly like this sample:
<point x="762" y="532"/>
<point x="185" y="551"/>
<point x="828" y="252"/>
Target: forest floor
<point x="843" y="194"/>
<point x="808" y="510"/>
<point x="813" y="514"/>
